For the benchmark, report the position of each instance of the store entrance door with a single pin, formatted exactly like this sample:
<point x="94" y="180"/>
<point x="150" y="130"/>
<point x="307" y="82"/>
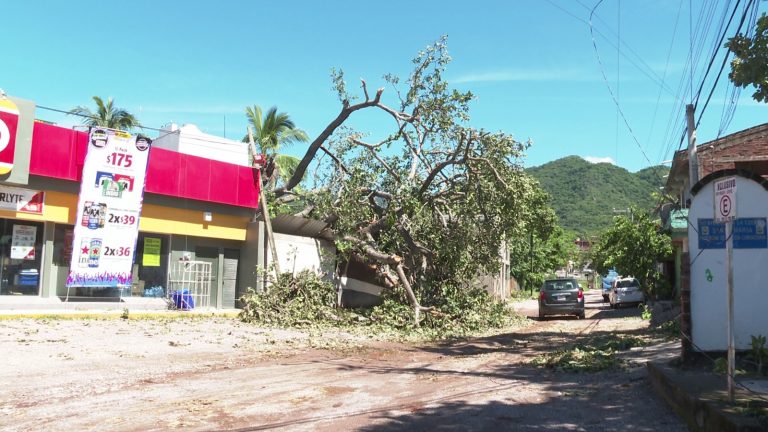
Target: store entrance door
<point x="21" y="246"/>
<point x="211" y="255"/>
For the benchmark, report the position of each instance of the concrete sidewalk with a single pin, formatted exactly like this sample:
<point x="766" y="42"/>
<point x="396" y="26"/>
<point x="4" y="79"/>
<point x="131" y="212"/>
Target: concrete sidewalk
<point x="700" y="397"/>
<point x="23" y="306"/>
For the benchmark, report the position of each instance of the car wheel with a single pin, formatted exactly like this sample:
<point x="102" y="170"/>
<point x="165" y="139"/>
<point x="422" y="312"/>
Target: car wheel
<point x="582" y="315"/>
<point x="541" y="316"/>
<point x="605" y="298"/>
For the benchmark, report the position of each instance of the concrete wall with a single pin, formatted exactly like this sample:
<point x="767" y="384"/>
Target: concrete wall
<point x="709" y="273"/>
<point x="304" y="253"/>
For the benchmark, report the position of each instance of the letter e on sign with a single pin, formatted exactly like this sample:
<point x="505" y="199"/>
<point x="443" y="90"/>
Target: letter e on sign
<point x="9" y="120"/>
<point x="725" y="199"/>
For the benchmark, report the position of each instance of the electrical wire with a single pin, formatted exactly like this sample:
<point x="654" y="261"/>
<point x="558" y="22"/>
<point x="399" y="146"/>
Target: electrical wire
<point x="163" y="132"/>
<point x="610" y="90"/>
<point x="666" y="68"/>
<point x="639" y="64"/>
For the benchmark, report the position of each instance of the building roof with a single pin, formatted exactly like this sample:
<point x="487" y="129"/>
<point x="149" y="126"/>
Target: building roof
<point x="678" y="220"/>
<point x="678" y="173"/>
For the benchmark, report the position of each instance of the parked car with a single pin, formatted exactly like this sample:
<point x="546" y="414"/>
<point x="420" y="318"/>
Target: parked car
<point x="561" y="296"/>
<point x="608" y="283"/>
<point x="626" y="290"/>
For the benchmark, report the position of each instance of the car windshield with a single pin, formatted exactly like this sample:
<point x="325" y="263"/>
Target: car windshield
<point x="628" y="283"/>
<point x="559" y="285"/>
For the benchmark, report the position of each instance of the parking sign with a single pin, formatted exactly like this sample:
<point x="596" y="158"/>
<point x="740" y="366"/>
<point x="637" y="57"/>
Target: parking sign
<point x="725" y="199"/>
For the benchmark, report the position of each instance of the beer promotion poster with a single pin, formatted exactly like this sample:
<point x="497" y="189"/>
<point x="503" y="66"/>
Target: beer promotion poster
<point x="108" y="209"/>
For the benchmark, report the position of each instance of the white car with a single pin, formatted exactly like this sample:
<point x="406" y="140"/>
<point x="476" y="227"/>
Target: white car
<point x="626" y="290"/>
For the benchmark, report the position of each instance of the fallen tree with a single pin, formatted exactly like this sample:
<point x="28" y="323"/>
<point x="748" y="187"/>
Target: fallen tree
<point x="434" y="201"/>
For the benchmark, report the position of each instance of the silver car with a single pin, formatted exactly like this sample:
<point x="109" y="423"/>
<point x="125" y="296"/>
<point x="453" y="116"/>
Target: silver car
<point x="561" y="297"/>
<point x="626" y="290"/>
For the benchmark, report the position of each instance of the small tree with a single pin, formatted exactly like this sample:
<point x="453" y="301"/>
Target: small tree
<point x="633" y="246"/>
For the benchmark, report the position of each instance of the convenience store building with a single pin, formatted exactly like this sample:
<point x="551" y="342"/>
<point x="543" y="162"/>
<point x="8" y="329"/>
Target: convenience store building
<point x="195" y="208"/>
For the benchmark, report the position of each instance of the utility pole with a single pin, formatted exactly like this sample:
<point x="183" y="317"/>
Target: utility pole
<point x="265" y="211"/>
<point x="530" y="259"/>
<point x="693" y="158"/>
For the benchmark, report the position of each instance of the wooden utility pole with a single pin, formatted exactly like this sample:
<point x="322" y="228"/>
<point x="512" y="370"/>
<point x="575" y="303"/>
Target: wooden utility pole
<point x="693" y="158"/>
<point x="265" y="210"/>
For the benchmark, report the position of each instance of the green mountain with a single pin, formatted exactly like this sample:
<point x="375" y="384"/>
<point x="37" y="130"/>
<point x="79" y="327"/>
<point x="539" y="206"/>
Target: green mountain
<point x="584" y="194"/>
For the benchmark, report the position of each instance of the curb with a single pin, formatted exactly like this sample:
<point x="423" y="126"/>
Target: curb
<point x="696" y="402"/>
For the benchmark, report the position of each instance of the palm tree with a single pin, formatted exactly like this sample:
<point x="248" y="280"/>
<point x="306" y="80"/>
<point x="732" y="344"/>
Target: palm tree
<point x="106" y="115"/>
<point x="272" y="132"/>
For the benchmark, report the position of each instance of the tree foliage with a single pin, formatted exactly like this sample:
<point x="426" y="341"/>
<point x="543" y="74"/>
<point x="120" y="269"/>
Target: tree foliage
<point x="433" y="202"/>
<point x="274" y="131"/>
<point x="106" y="115"/>
<point x="750" y="63"/>
<point x="633" y="246"/>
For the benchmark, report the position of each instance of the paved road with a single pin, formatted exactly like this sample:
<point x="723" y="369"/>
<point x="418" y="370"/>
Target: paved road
<point x="480" y="384"/>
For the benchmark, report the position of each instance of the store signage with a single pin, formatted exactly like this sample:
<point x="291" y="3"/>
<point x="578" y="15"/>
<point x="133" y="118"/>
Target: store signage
<point x="23" y="242"/>
<point x="21" y="200"/>
<point x="9" y="121"/>
<point x="108" y="210"/>
<point x="151" y="256"/>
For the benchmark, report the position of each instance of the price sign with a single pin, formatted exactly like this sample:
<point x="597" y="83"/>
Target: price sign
<point x="111" y="194"/>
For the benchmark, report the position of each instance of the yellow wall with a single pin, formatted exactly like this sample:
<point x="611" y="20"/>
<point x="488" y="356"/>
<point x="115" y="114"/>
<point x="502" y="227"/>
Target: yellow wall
<point x="60" y="208"/>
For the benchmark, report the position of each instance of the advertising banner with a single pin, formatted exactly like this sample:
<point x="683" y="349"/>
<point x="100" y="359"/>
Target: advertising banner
<point x="9" y="120"/>
<point x="111" y="193"/>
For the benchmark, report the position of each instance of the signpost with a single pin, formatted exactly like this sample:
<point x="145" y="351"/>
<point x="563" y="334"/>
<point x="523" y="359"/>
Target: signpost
<point x="725" y="211"/>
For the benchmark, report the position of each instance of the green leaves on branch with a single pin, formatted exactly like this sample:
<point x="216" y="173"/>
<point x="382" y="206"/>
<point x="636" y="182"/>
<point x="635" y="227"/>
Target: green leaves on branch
<point x="750" y="63"/>
<point x="634" y="246"/>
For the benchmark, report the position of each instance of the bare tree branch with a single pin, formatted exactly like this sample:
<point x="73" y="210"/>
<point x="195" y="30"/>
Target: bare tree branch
<point x="346" y="111"/>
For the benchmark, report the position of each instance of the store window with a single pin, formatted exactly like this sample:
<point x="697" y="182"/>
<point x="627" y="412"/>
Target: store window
<point x="21" y="245"/>
<point x="150" y="265"/>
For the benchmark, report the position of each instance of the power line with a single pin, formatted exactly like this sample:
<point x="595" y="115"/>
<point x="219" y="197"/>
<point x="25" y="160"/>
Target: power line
<point x="646" y="70"/>
<point x="93" y="117"/>
<point x="610" y="90"/>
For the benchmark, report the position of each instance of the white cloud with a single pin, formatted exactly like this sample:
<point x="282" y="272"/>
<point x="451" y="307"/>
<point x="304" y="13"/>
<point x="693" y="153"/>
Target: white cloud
<point x="597" y="160"/>
<point x="524" y="75"/>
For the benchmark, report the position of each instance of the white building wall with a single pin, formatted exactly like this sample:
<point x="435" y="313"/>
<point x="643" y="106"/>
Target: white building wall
<point x="189" y="139"/>
<point x="750" y="275"/>
<point x="297" y="253"/>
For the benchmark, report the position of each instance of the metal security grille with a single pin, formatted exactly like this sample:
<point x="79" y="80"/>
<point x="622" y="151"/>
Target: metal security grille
<point x="190" y="280"/>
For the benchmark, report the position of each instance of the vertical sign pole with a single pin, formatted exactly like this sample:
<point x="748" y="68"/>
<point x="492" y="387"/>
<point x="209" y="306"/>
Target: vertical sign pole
<point x="725" y="212"/>
<point x="731" y="348"/>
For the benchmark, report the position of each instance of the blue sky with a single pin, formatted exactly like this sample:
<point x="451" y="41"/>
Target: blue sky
<point x="531" y="64"/>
